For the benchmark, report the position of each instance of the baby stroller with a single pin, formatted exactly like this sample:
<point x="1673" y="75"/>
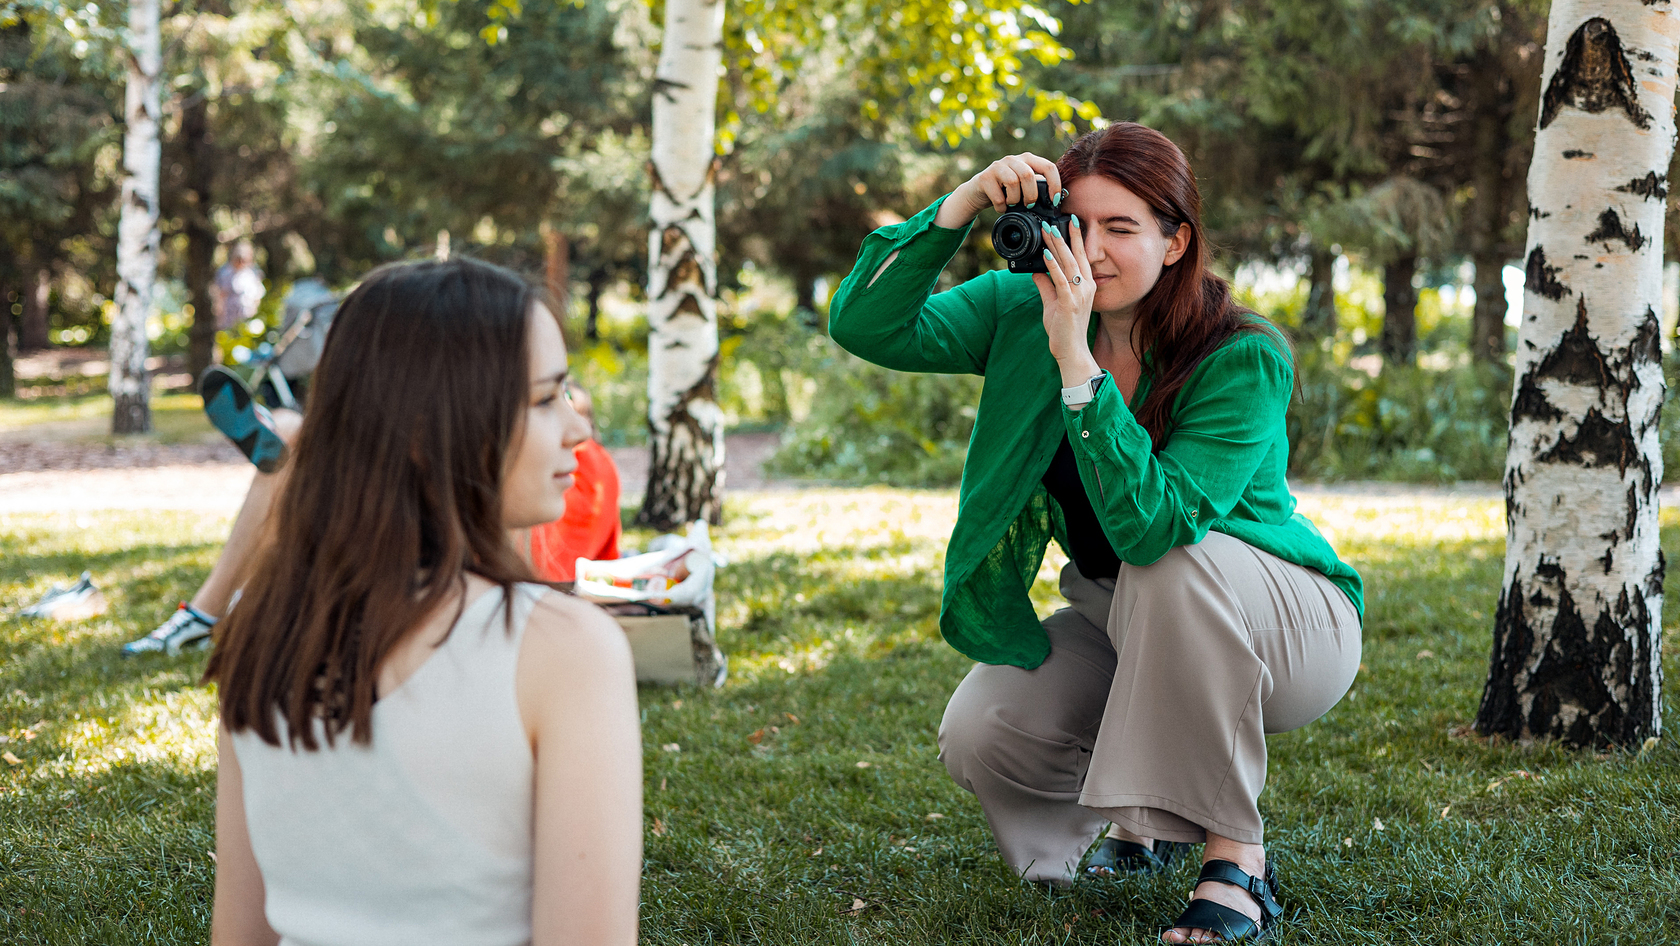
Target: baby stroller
<point x="279" y="370"/>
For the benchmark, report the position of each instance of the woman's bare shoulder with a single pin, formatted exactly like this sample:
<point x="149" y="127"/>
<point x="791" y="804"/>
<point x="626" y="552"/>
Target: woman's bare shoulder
<point x="569" y="630"/>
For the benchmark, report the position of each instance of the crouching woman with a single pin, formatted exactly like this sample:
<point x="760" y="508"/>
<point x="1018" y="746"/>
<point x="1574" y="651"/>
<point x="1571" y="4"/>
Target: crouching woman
<point x="1134" y="412"/>
<point x="419" y="743"/>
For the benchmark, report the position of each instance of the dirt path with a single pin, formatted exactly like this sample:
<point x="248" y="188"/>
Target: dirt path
<point x="50" y="476"/>
<point x="53" y="475"/>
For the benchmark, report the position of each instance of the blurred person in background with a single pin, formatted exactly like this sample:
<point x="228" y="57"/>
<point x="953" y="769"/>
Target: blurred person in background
<point x="238" y="288"/>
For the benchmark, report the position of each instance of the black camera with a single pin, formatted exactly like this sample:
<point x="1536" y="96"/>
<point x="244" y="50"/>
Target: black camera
<point x="1018" y="235"/>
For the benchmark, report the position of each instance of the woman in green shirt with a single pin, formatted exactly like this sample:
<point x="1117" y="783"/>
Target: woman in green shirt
<point x="1149" y="441"/>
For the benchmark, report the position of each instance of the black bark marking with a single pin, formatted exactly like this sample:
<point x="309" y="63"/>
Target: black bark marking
<point x="1574" y="154"/>
<point x="1610" y="228"/>
<point x="1535" y="213"/>
<point x="1603" y="673"/>
<point x="1501" y="710"/>
<point x="684" y="484"/>
<point x="1531" y="403"/>
<point x="1652" y="186"/>
<point x="1594" y="76"/>
<point x="1646" y="347"/>
<point x="1576" y="359"/>
<point x="1542" y="278"/>
<point x="1599" y="441"/>
<point x="668" y="88"/>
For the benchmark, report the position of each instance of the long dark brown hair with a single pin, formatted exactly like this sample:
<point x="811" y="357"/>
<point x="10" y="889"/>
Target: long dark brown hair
<point x="1190" y="312"/>
<point x="394" y="491"/>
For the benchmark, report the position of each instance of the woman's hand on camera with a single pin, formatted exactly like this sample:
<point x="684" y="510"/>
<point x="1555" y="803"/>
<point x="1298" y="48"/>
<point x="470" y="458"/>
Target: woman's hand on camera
<point x="1067" y="291"/>
<point x="1003" y="182"/>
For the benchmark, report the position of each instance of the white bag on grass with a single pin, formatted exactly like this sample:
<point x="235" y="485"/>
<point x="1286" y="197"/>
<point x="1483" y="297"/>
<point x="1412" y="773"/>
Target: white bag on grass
<point x="676" y="577"/>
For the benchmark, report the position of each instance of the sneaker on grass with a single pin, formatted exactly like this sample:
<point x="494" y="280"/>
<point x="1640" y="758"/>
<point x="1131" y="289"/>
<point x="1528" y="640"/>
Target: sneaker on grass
<point x="187" y="627"/>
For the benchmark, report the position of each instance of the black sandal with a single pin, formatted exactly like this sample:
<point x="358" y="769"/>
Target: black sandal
<point x="1114" y="856"/>
<point x="1233" y="926"/>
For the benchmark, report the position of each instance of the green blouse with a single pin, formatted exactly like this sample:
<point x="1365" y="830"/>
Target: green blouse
<point x="1222" y="468"/>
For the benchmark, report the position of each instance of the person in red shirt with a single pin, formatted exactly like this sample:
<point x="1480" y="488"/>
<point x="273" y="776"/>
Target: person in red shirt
<point x="590" y="527"/>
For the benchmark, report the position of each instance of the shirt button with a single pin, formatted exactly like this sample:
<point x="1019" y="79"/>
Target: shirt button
<point x="1085" y="433"/>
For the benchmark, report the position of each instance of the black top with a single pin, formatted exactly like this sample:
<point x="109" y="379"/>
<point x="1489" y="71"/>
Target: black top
<point x="1087" y="545"/>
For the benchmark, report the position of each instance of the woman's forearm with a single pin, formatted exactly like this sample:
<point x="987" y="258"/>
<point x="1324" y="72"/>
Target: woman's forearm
<point x="960" y="209"/>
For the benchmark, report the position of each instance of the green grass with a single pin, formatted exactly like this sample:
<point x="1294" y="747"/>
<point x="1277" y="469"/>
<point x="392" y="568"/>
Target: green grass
<point x="176" y="418"/>
<point x="828" y="613"/>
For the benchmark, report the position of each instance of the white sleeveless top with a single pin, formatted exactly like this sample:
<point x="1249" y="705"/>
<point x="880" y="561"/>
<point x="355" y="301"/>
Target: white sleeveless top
<point x="423" y="836"/>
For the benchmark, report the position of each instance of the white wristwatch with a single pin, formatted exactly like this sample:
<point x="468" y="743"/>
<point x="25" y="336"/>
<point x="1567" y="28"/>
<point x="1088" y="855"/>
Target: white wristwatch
<point x="1084" y="392"/>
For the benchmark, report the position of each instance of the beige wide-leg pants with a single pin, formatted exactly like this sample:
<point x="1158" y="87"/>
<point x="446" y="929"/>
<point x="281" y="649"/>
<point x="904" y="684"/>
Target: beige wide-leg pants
<point x="1152" y="709"/>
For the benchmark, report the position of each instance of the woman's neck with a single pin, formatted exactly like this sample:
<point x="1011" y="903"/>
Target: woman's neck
<point x="1117" y="332"/>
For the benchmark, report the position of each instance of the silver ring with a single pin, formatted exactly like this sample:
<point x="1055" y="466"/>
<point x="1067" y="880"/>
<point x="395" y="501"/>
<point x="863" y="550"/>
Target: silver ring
<point x="1076" y="279"/>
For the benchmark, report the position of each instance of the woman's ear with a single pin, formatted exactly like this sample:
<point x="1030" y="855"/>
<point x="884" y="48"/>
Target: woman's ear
<point x="1177" y="244"/>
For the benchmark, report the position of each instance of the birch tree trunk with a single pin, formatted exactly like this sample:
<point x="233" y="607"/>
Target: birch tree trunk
<point x="1577" y="637"/>
<point x="137" y="229"/>
<point x="685" y="475"/>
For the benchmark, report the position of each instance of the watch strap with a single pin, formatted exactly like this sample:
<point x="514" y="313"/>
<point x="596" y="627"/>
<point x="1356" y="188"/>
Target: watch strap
<point x="1083" y="392"/>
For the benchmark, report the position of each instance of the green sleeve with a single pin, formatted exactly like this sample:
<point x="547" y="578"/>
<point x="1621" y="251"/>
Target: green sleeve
<point x="895" y="321"/>
<point x="1226" y="420"/>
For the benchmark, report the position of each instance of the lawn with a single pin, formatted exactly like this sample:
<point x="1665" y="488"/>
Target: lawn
<point x="803" y="802"/>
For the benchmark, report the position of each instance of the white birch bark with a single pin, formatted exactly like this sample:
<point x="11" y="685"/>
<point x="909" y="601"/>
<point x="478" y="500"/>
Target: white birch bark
<point x="1577" y="641"/>
<point x="685" y="476"/>
<point x="137" y="228"/>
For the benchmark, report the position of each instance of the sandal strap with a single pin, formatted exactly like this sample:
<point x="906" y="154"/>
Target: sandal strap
<point x="1231" y="926"/>
<point x="1262" y="889"/>
<point x="1113" y="853"/>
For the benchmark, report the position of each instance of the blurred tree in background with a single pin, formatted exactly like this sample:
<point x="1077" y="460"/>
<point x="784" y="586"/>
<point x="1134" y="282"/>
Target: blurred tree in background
<point x="1362" y="166"/>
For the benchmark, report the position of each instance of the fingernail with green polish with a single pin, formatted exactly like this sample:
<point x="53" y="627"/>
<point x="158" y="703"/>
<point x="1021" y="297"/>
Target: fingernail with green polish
<point x="1047" y="256"/>
<point x="1075" y="219"/>
<point x="1056" y="201"/>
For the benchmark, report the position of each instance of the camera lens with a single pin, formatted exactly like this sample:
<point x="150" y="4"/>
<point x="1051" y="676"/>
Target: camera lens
<point x="1014" y="236"/>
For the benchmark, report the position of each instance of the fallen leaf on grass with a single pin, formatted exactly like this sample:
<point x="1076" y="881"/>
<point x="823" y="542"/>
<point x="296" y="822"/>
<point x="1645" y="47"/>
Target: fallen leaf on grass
<point x="670" y="747"/>
<point x="661" y="784"/>
<point x="863" y="765"/>
<point x="817" y="852"/>
<point x="1445" y="810"/>
<point x="1348" y="842"/>
<point x="934" y="816"/>
<point x="857" y="907"/>
<point x="757" y="737"/>
<point x="1425" y="654"/>
<point x="11" y="759"/>
<point x="659" y="827"/>
<point x="676" y="704"/>
<point x="792" y="718"/>
<point x="1378" y="825"/>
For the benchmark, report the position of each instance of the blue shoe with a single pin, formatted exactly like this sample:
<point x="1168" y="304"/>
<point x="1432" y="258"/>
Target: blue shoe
<point x="187" y="627"/>
<point x="234" y="412"/>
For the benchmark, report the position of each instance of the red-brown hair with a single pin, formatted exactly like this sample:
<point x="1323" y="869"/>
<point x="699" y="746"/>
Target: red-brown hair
<point x="1190" y="312"/>
<point x="394" y="491"/>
